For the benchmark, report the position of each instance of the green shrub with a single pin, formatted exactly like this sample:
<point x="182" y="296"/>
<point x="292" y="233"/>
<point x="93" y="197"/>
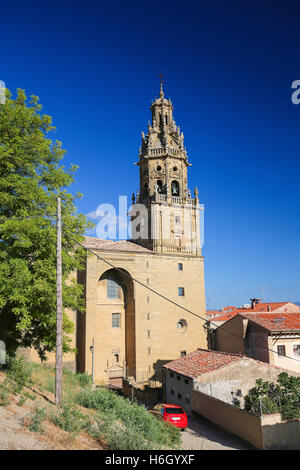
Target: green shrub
<point x="137" y="425"/>
<point x="84" y="379"/>
<point x="282" y="397"/>
<point x="37" y="419"/>
<point x="69" y="419"/>
<point x="19" y="373"/>
<point x="5" y="392"/>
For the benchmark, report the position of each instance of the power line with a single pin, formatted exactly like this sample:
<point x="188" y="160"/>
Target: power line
<point x="175" y="303"/>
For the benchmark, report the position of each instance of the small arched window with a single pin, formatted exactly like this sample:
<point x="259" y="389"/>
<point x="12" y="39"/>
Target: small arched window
<point x="159" y="186"/>
<point x="175" y="188"/>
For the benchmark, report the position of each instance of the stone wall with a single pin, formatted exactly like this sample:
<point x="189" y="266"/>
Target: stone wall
<point x="268" y="432"/>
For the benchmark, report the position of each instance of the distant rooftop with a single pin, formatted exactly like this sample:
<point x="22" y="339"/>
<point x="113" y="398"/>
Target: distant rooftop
<point x="270" y="307"/>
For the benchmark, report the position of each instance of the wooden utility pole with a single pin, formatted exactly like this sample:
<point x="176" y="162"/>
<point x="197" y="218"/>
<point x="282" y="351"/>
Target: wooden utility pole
<point x="59" y="313"/>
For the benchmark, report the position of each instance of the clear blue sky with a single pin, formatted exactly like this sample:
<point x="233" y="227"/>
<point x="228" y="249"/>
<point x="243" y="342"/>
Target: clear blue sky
<point x="228" y="65"/>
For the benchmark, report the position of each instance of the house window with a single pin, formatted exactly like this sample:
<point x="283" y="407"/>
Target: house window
<point x="296" y="349"/>
<point x="177" y="219"/>
<point x="172" y="391"/>
<point x="171" y="374"/>
<point x="180" y="267"/>
<point x="281" y="350"/>
<point x="182" y="353"/>
<point x="186" y="381"/>
<point x="113" y="289"/>
<point x="178" y="377"/>
<point x="115" y="320"/>
<point x="181" y="291"/>
<point x="116" y="357"/>
<point x="179" y="396"/>
<point x="187" y="401"/>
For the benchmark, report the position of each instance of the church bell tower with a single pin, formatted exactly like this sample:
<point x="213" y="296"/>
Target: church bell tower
<point x="171" y="223"/>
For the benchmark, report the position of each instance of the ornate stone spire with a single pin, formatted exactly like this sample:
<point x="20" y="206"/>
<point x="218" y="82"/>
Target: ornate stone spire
<point x="161" y="93"/>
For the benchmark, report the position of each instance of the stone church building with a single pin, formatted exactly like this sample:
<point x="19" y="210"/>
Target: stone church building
<point x="135" y="331"/>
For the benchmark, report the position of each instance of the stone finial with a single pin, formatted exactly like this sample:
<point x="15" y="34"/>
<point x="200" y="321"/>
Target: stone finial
<point x="161" y="93"/>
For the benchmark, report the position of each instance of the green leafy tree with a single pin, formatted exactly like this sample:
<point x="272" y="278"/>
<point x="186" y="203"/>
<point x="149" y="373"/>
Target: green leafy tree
<point x="282" y="397"/>
<point x="31" y="178"/>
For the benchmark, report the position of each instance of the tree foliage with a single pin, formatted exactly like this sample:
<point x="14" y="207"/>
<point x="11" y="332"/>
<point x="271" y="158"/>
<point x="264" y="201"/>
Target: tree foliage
<point x="281" y="397"/>
<point x="31" y="178"/>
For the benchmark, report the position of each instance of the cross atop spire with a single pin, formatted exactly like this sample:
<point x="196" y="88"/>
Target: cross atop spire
<point x="161" y="93"/>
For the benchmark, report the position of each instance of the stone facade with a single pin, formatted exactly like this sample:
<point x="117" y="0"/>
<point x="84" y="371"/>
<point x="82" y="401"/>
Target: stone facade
<point x="166" y="258"/>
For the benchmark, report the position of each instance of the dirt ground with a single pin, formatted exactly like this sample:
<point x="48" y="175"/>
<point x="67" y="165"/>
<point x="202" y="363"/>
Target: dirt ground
<point x="15" y="434"/>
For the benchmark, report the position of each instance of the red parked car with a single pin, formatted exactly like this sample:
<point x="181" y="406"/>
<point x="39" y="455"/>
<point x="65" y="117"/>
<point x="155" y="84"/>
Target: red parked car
<point x="174" y="414"/>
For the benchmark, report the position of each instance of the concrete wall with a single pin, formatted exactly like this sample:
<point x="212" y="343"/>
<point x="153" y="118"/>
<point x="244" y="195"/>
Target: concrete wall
<point x="229" y="417"/>
<point x="267" y="432"/>
<point x="279" y="434"/>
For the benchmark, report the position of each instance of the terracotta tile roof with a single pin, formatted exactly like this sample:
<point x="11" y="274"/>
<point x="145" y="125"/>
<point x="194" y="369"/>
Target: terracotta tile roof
<point x="201" y="362"/>
<point x="109" y="245"/>
<point x="265" y="307"/>
<point x="218" y="313"/>
<point x="228" y="309"/>
<point x="275" y="322"/>
<point x="227" y="316"/>
<point x="270" y="307"/>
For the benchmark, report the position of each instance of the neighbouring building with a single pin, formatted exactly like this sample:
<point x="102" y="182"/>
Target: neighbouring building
<point x="226" y="313"/>
<point x="270" y="337"/>
<point x="222" y="375"/>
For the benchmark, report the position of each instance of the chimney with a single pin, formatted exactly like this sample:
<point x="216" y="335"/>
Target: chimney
<point x="254" y="302"/>
<point x="269" y="308"/>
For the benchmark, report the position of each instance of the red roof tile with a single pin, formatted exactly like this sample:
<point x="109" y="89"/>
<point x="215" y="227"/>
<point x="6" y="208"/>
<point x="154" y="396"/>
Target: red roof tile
<point x="275" y="322"/>
<point x="201" y="362"/>
<point x="270" y="307"/>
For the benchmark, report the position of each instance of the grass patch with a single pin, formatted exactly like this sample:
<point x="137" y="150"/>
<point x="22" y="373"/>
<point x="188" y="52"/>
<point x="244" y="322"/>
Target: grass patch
<point x="37" y="418"/>
<point x="127" y="425"/>
<point x="18" y="375"/>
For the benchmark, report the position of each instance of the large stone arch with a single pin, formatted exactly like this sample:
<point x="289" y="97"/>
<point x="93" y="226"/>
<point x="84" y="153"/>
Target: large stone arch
<point x="122" y="338"/>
